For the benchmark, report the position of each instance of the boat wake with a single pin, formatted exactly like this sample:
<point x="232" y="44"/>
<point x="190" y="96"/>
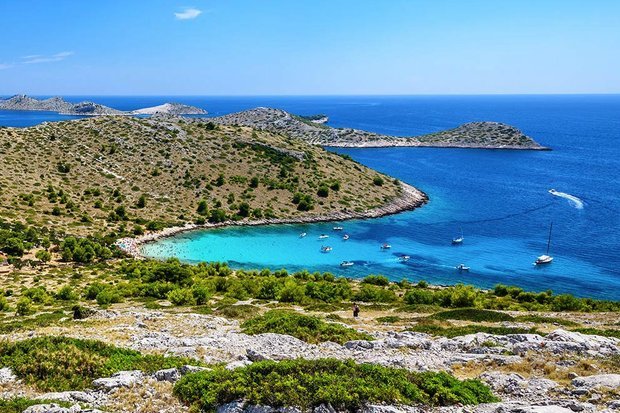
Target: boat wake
<point x="572" y="199"/>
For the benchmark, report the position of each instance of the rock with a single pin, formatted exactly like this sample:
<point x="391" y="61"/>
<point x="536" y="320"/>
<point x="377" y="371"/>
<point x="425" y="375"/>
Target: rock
<point x="572" y="375"/>
<point x="324" y="408"/>
<point x="171" y="375"/>
<point x="237" y="364"/>
<point x="239" y="406"/>
<point x="187" y="369"/>
<point x="359" y="345"/>
<point x="68" y="396"/>
<point x="233" y="407"/>
<point x="254" y="355"/>
<point x="378" y="408"/>
<point x="52" y="408"/>
<point x="611" y="381"/>
<point x="614" y="404"/>
<point x="6" y="375"/>
<point x="120" y="379"/>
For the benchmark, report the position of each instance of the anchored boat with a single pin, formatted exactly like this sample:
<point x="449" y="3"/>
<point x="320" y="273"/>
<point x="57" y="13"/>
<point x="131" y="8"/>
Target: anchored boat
<point x="546" y="258"/>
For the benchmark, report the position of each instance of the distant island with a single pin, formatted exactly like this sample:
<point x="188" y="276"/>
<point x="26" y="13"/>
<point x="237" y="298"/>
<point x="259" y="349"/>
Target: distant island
<point x="479" y="135"/>
<point x="59" y="105"/>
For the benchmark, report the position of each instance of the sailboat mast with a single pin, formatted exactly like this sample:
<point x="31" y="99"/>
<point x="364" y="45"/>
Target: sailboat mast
<point x="549" y="240"/>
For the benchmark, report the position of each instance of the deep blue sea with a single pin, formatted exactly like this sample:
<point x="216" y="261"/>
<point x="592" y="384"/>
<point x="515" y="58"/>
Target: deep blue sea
<point x="500" y="199"/>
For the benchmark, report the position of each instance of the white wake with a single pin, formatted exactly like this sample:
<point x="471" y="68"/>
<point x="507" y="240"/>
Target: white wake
<point x="572" y="199"/>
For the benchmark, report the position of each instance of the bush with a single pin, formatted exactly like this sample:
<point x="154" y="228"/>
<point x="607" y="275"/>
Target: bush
<point x="66" y="293"/>
<point x="307" y="328"/>
<point x="419" y="296"/>
<point x="4" y="304"/>
<point x="181" y="296"/>
<point x="19" y="404"/>
<point x="344" y="385"/>
<point x="377" y="180"/>
<point x="43" y="256"/>
<point x="372" y="294"/>
<point x="566" y="302"/>
<point x="108" y="296"/>
<point x="24" y="306"/>
<point x="381" y="280"/>
<point x="323" y="191"/>
<point x="62" y="363"/>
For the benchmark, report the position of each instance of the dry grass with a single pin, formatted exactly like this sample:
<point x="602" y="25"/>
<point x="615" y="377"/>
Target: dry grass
<point x="148" y="397"/>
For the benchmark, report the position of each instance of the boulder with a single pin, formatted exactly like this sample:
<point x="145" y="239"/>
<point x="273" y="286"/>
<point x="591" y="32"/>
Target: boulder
<point x="187" y="369"/>
<point x="6" y="375"/>
<point x="53" y="408"/>
<point x="120" y="379"/>
<point x="611" y="381"/>
<point x="171" y="375"/>
<point x="254" y="355"/>
<point x="68" y="396"/>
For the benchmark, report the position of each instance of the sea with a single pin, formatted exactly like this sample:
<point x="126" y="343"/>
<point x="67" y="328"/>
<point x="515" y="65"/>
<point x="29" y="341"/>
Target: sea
<point x="499" y="200"/>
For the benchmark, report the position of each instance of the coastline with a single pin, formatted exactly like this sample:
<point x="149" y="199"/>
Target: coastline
<point x="410" y="199"/>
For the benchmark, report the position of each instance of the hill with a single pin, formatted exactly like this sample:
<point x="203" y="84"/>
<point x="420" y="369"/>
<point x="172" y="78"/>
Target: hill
<point x="482" y="135"/>
<point x="115" y="172"/>
<point x="58" y="104"/>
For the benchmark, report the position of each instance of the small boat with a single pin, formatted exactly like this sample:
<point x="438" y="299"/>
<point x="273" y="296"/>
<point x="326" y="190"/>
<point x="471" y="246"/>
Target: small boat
<point x="458" y="240"/>
<point x="323" y="236"/>
<point x="345" y="237"/>
<point x="303" y="234"/>
<point x="326" y="249"/>
<point x="404" y="258"/>
<point x="546" y="258"/>
<point x="462" y="267"/>
<point x="346" y="263"/>
<point x="338" y="228"/>
<point x="386" y="246"/>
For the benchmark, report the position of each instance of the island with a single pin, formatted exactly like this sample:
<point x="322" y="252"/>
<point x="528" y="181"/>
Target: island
<point x="477" y="135"/>
<point x="61" y="106"/>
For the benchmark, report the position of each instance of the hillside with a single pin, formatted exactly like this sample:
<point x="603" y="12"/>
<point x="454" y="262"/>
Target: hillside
<point x="58" y="104"/>
<point x="484" y="135"/>
<point x="107" y="173"/>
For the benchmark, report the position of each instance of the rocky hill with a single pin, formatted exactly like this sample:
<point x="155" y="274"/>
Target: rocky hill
<point x="58" y="104"/>
<point x="91" y="174"/>
<point x="485" y="135"/>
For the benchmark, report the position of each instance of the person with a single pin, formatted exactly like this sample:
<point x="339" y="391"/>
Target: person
<point x="356" y="310"/>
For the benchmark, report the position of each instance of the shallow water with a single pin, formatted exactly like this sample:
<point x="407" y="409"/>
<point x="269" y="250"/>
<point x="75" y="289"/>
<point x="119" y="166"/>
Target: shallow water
<point x="499" y="198"/>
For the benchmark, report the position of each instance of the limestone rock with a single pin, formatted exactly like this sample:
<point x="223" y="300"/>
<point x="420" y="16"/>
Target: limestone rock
<point x="171" y="375"/>
<point x="120" y="379"/>
<point x="611" y="381"/>
<point x="6" y="375"/>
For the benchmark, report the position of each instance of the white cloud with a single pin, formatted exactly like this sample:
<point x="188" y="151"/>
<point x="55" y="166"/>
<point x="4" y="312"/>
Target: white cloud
<point x="5" y="66"/>
<point x="37" y="58"/>
<point x="187" y="14"/>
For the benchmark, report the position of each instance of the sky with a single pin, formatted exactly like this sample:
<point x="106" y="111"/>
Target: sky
<point x="309" y="47"/>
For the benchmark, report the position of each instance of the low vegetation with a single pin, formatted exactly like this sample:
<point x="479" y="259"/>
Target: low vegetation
<point x="473" y="314"/>
<point x="344" y="385"/>
<point x="62" y="363"/>
<point x="307" y="328"/>
<point x="19" y="404"/>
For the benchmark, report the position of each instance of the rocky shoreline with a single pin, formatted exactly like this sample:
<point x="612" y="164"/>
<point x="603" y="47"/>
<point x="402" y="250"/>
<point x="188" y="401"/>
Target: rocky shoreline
<point x="410" y="199"/>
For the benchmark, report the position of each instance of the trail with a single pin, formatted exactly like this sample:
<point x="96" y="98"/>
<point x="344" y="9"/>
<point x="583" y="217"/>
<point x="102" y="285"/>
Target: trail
<point x="574" y="201"/>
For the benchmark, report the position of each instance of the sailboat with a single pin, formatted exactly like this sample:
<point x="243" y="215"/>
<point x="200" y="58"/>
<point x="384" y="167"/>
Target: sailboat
<point x="459" y="240"/>
<point x="545" y="259"/>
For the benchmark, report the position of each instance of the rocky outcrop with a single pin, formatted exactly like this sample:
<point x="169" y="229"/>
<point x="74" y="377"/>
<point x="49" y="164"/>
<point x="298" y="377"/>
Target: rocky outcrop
<point x="170" y="109"/>
<point x="58" y="104"/>
<point x="119" y="379"/>
<point x="6" y="375"/>
<point x="483" y="135"/>
<point x="54" y="408"/>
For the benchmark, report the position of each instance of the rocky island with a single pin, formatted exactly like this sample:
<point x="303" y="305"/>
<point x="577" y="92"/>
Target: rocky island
<point x="479" y="135"/>
<point x="58" y="104"/>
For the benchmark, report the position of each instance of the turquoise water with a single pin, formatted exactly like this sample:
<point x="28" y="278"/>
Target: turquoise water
<point x="499" y="198"/>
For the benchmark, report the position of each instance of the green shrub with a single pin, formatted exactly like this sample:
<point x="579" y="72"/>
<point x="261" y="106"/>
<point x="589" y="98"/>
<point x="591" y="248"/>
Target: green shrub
<point x="108" y="296"/>
<point x="181" y="296"/>
<point x="380" y="280"/>
<point x="62" y="363"/>
<point x="372" y="294"/>
<point x="307" y="328"/>
<point x="66" y="293"/>
<point x="473" y="314"/>
<point x="419" y="296"/>
<point x="241" y="311"/>
<point x="451" y="332"/>
<point x="344" y="385"/>
<point x="4" y="303"/>
<point x="24" y="306"/>
<point x="19" y="404"/>
<point x="377" y="180"/>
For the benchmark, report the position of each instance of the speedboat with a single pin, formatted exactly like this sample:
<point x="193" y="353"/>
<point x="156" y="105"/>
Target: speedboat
<point x="404" y="258"/>
<point x="323" y="236"/>
<point x="326" y="249"/>
<point x="338" y="228"/>
<point x="345" y="237"/>
<point x="458" y="240"/>
<point x="303" y="234"/>
<point x="462" y="267"/>
<point x="346" y="263"/>
<point x="386" y="246"/>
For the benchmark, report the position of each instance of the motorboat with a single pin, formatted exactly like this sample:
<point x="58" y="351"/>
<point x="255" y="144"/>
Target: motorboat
<point x="386" y="246"/>
<point x="323" y="236"/>
<point x="345" y="237"/>
<point x="326" y="249"/>
<point x="303" y="234"/>
<point x="404" y="258"/>
<point x="458" y="240"/>
<point x="338" y="228"/>
<point x="347" y="263"/>
<point x="462" y="267"/>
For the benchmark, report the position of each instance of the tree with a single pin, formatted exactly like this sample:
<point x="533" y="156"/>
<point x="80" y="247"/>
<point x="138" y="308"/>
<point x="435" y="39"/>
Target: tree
<point x="254" y="182"/>
<point x="244" y="209"/>
<point x="323" y="191"/>
<point x="14" y="247"/>
<point x="43" y="256"/>
<point x="203" y="208"/>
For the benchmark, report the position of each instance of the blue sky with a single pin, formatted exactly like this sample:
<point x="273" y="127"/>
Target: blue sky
<point x="309" y="47"/>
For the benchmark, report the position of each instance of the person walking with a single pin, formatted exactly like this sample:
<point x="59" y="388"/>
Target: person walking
<point x="356" y="310"/>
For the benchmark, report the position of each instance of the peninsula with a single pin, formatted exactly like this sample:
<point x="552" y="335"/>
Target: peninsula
<point x="480" y="135"/>
<point x="60" y="105"/>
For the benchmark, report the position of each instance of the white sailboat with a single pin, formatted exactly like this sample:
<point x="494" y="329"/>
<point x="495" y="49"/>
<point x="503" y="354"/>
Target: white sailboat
<point x="546" y="258"/>
<point x="458" y="240"/>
